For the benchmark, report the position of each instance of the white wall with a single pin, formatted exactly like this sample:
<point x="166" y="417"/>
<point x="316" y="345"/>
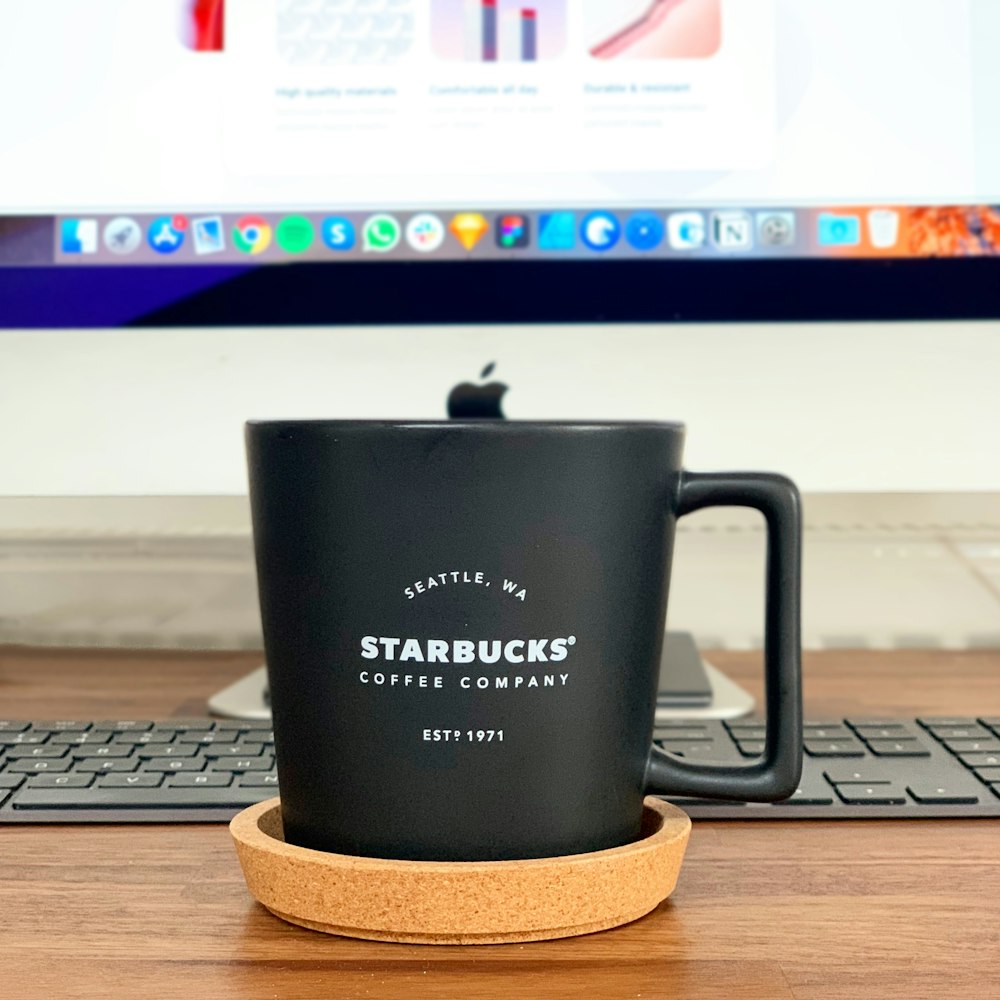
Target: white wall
<point x="859" y="407"/>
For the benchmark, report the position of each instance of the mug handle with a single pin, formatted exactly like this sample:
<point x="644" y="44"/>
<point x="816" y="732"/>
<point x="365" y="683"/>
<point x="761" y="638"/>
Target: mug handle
<point x="776" y="775"/>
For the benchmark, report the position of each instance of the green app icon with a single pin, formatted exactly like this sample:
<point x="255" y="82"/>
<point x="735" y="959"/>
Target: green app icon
<point x="295" y="234"/>
<point x="381" y="234"/>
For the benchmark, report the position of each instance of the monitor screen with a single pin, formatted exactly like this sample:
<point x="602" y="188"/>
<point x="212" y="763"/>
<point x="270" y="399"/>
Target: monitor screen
<point x="386" y="160"/>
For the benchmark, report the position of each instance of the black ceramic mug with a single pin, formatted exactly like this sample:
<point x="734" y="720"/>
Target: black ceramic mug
<point x="463" y="625"/>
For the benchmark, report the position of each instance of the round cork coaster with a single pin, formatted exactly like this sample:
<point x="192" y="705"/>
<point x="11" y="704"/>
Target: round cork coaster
<point x="465" y="902"/>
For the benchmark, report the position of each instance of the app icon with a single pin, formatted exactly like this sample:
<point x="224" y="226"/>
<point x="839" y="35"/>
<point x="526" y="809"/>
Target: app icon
<point x="883" y="225"/>
<point x="381" y="234"/>
<point x="644" y="231"/>
<point x="252" y="235"/>
<point x="686" y="230"/>
<point x="295" y="234"/>
<point x="600" y="231"/>
<point x="122" y="235"/>
<point x="839" y="230"/>
<point x="338" y="233"/>
<point x="209" y="235"/>
<point x="732" y="230"/>
<point x="425" y="232"/>
<point x="166" y="234"/>
<point x="513" y="232"/>
<point x="557" y="231"/>
<point x="776" y="229"/>
<point x="78" y="236"/>
<point x="469" y="228"/>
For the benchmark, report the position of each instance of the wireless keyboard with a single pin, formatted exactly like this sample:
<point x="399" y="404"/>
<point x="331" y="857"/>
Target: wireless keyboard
<point x="204" y="770"/>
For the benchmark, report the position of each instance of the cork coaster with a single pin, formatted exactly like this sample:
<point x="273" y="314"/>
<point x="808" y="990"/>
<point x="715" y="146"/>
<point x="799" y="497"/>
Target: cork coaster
<point x="467" y="902"/>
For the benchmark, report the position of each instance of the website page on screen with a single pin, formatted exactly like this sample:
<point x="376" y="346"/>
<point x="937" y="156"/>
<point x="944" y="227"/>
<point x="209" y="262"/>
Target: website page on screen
<point x="212" y="131"/>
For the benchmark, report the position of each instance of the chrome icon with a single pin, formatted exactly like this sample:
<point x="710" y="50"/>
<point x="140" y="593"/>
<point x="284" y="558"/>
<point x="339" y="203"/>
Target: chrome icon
<point x="252" y="235"/>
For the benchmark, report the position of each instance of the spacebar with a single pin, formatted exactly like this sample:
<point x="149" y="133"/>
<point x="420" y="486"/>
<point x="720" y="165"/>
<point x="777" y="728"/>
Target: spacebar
<point x="139" y="798"/>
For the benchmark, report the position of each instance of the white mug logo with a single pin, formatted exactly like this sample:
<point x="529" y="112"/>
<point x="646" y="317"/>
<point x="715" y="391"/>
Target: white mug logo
<point x="393" y="649"/>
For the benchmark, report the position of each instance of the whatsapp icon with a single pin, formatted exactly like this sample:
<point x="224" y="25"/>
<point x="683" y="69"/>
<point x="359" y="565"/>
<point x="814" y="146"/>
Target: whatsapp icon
<point x="381" y="234"/>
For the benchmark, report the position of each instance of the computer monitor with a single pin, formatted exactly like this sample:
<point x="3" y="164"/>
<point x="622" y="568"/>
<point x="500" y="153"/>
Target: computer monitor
<point x="777" y="221"/>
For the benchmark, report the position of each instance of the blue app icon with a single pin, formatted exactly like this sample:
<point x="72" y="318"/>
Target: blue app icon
<point x="600" y="231"/>
<point x="166" y="234"/>
<point x="645" y="231"/>
<point x="338" y="233"/>
<point x="557" y="231"/>
<point x="78" y="236"/>
<point x="839" y="230"/>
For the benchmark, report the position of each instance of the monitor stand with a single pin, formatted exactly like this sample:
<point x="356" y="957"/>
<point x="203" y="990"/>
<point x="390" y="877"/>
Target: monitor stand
<point x="690" y="688"/>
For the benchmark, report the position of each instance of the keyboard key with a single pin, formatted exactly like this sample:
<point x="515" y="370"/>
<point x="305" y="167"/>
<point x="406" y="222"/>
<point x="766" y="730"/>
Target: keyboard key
<point x="930" y="792"/>
<point x="869" y="774"/>
<point x="233" y="797"/>
<point x="206" y="780"/>
<point x="812" y="791"/>
<point x="170" y="750"/>
<point x="992" y="721"/>
<point x="854" y="722"/>
<point x="961" y="732"/>
<point x="685" y="734"/>
<point x="946" y="720"/>
<point x="826" y="733"/>
<point x="10" y="726"/>
<point x="11" y="781"/>
<point x="251" y="725"/>
<point x="245" y="764"/>
<point x="23" y="739"/>
<point x="825" y="723"/>
<point x="60" y="780"/>
<point x="79" y="739"/>
<point x="834" y="748"/>
<point x="34" y="752"/>
<point x="757" y="733"/>
<point x="883" y="794"/>
<point x="750" y="723"/>
<point x="145" y="739"/>
<point x="60" y="726"/>
<point x="979" y="759"/>
<point x="130" y="781"/>
<point x="123" y="726"/>
<point x="233" y="750"/>
<point x="183" y="725"/>
<point x="171" y="765"/>
<point x="4" y="795"/>
<point x="702" y="751"/>
<point x="258" y="780"/>
<point x="985" y="774"/>
<point x="898" y="748"/>
<point x="86" y="752"/>
<point x="29" y="766"/>
<point x="992" y="745"/>
<point x="206" y="739"/>
<point x="103" y="765"/>
<point x="893" y="732"/>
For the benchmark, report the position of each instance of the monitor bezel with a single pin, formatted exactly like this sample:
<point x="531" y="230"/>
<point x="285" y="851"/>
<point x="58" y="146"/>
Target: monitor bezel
<point x="502" y="292"/>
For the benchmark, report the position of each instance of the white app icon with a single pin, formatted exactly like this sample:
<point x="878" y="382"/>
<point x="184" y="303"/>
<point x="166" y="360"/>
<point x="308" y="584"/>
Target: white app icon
<point x="883" y="224"/>
<point x="425" y="232"/>
<point x="686" y="230"/>
<point x="732" y="230"/>
<point x="122" y="235"/>
<point x="209" y="235"/>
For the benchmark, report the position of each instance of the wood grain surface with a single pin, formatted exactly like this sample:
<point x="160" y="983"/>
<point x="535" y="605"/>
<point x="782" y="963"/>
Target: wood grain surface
<point x="808" y="910"/>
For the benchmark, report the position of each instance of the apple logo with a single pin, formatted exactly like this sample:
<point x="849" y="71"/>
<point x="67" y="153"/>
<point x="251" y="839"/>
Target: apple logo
<point x="478" y="402"/>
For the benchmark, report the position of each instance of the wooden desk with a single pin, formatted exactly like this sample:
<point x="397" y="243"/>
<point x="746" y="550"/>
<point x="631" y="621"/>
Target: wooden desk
<point x="817" y="910"/>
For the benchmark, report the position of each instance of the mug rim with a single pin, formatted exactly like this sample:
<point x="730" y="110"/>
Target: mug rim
<point x="487" y="424"/>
